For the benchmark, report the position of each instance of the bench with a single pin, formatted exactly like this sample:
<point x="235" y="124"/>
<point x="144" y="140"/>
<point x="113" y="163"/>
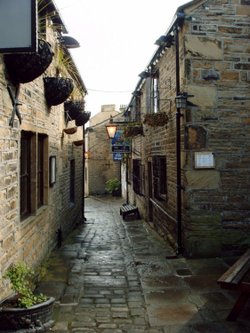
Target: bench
<point x="237" y="277"/>
<point x="127" y="209"/>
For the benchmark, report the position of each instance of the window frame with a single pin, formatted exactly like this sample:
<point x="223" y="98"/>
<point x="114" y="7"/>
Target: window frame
<point x="72" y="181"/>
<point x="34" y="156"/>
<point x="138" y="176"/>
<point x="159" y="177"/>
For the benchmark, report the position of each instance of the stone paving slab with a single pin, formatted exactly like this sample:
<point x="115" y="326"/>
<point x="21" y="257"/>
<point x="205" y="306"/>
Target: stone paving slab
<point x="115" y="276"/>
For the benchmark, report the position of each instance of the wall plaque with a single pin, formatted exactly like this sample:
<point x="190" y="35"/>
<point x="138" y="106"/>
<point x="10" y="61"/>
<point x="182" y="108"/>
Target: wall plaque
<point x="204" y="160"/>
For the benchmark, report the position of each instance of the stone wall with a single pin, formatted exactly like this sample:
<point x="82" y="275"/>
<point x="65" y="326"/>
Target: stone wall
<point x="100" y="164"/>
<point x="31" y="239"/>
<point x="214" y="70"/>
<point x="216" y="74"/>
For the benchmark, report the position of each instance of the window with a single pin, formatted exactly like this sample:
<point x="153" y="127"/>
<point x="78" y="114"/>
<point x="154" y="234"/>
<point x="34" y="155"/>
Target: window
<point x="33" y="175"/>
<point x="160" y="177"/>
<point x="152" y="91"/>
<point x="138" y="177"/>
<point x="138" y="108"/>
<point x="25" y="174"/>
<point x="72" y="181"/>
<point x="155" y="94"/>
<point x="40" y="171"/>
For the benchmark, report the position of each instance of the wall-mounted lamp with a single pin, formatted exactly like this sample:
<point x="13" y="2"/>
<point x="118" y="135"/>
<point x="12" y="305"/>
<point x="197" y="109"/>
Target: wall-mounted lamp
<point x="145" y="74"/>
<point x="183" y="16"/>
<point x="111" y="128"/>
<point x="69" y="42"/>
<point x="181" y="101"/>
<point x="136" y="93"/>
<point x="166" y="41"/>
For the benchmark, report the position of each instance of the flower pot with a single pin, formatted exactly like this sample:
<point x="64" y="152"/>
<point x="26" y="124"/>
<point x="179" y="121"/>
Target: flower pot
<point x="73" y="108"/>
<point x="71" y="130"/>
<point x="82" y="118"/>
<point x="26" y="67"/>
<point x="57" y="89"/>
<point x="39" y="315"/>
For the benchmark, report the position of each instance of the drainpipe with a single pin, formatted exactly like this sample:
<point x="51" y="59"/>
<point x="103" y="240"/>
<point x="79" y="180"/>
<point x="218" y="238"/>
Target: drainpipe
<point x="83" y="175"/>
<point x="178" y="148"/>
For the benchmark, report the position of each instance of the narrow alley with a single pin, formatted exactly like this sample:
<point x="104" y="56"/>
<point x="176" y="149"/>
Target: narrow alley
<point x="115" y="276"/>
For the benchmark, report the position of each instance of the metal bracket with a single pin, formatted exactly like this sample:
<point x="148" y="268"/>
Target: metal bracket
<point x="15" y="103"/>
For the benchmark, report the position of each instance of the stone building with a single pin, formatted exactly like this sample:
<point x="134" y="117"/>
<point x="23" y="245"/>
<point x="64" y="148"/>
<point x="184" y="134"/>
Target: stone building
<point x="41" y="166"/>
<point x="189" y="171"/>
<point x="100" y="164"/>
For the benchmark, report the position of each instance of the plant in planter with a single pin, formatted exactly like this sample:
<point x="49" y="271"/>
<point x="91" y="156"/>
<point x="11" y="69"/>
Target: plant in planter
<point x="113" y="186"/>
<point x="156" y="119"/>
<point x="25" y="309"/>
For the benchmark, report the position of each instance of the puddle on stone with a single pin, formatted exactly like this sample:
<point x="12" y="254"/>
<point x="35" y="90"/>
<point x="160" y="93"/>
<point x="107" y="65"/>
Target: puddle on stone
<point x="184" y="272"/>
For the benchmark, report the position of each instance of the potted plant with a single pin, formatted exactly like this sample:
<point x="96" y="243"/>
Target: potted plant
<point x="25" y="309"/>
<point x="113" y="186"/>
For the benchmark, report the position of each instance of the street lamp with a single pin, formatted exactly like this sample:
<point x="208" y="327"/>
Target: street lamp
<point x="111" y="128"/>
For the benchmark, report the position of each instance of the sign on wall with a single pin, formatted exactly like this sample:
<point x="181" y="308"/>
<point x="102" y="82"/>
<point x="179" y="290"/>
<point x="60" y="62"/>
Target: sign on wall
<point x="18" y="26"/>
<point x="120" y="144"/>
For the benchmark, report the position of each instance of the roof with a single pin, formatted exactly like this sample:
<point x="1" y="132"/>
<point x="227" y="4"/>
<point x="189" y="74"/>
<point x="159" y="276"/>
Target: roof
<point x="178" y="18"/>
<point x="49" y="7"/>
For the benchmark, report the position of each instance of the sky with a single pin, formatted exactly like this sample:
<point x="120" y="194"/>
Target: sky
<point x="116" y="43"/>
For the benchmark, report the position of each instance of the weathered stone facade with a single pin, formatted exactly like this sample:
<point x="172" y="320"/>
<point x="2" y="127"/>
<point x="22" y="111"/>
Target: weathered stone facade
<point x="53" y="207"/>
<point x="211" y="62"/>
<point x="100" y="165"/>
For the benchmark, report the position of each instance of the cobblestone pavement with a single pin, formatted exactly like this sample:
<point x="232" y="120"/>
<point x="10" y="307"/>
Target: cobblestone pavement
<point x="115" y="276"/>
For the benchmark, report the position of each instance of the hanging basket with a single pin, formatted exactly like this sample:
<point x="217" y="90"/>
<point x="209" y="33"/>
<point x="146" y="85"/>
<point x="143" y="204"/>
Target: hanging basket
<point x="57" y="89"/>
<point x="74" y="108"/>
<point x="26" y="67"/>
<point x="135" y="130"/>
<point x="71" y="130"/>
<point x="156" y="119"/>
<point x="78" y="143"/>
<point x="82" y="118"/>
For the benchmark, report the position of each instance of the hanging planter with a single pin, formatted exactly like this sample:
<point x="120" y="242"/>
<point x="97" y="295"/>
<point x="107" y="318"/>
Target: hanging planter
<point x="71" y="130"/>
<point x="57" y="89"/>
<point x="23" y="68"/>
<point x="74" y="108"/>
<point x="82" y="118"/>
<point x="156" y="119"/>
<point x="78" y="142"/>
<point x="133" y="130"/>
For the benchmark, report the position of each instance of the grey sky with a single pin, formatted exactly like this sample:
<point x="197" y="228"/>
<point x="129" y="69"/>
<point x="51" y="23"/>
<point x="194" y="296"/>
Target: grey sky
<point x="117" y="42"/>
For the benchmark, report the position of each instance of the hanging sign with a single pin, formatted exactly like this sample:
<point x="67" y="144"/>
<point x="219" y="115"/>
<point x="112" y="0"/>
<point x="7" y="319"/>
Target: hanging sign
<point x="120" y="144"/>
<point x="18" y="26"/>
